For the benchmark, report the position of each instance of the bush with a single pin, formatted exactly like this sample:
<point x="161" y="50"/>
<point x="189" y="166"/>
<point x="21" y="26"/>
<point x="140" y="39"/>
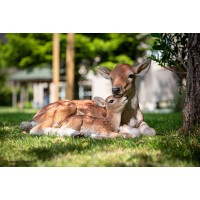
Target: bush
<point x="28" y="104"/>
<point x="6" y="97"/>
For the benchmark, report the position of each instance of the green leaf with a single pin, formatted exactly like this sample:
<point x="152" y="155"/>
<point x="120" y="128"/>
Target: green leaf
<point x="158" y="35"/>
<point x="158" y="47"/>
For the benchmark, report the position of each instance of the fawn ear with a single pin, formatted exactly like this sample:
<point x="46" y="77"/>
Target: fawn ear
<point x="100" y="102"/>
<point x="142" y="68"/>
<point x="105" y="72"/>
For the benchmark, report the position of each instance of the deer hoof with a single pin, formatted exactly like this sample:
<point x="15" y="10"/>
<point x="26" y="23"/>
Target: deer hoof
<point x="149" y="131"/>
<point x="128" y="132"/>
<point x="25" y="126"/>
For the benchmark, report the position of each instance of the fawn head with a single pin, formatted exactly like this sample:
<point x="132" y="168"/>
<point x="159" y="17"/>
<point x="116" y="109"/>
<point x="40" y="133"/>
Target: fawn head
<point x="123" y="76"/>
<point x="112" y="104"/>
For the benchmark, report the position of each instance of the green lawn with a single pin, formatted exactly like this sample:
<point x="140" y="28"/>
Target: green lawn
<point x="167" y="148"/>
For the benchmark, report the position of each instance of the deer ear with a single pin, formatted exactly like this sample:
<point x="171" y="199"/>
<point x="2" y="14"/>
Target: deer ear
<point x="142" y="68"/>
<point x="105" y="72"/>
<point x="100" y="102"/>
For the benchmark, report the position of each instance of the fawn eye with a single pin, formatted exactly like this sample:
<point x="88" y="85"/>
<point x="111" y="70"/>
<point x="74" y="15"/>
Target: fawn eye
<point x="111" y="101"/>
<point x="131" y="76"/>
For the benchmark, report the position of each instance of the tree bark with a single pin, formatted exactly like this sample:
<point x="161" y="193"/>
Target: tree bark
<point x="191" y="113"/>
<point x="70" y="66"/>
<point x="56" y="65"/>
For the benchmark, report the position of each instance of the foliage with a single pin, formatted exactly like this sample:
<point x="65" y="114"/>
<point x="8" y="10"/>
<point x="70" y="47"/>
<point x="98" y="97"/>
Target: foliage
<point x="165" y="149"/>
<point x="113" y="48"/>
<point x="170" y="51"/>
<point x="5" y="94"/>
<point x="28" y="104"/>
<point x="26" y="50"/>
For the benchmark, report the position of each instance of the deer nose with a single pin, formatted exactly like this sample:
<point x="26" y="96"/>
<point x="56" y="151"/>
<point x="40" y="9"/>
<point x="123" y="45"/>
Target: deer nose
<point x="116" y="90"/>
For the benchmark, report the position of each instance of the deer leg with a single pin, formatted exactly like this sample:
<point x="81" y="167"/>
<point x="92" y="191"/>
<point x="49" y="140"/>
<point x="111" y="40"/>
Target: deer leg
<point x="109" y="135"/>
<point x="135" y="122"/>
<point x="40" y="129"/>
<point x="146" y="130"/>
<point x="71" y="127"/>
<point x="27" y="126"/>
<point x="63" y="131"/>
<point x="129" y="132"/>
<point x="141" y="125"/>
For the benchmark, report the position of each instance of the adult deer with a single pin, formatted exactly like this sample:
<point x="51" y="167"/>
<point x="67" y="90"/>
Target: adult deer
<point x="123" y="78"/>
<point x="94" y="127"/>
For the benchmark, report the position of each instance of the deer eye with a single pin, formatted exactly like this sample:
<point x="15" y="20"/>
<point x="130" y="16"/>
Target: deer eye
<point x="131" y="76"/>
<point x="111" y="101"/>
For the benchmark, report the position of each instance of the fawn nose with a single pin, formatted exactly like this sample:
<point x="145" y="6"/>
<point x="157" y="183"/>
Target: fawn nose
<point x="116" y="90"/>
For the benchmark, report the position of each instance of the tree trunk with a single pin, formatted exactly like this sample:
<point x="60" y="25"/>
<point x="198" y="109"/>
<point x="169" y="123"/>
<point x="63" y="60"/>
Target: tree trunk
<point x="56" y="65"/>
<point x="191" y="114"/>
<point x="70" y="66"/>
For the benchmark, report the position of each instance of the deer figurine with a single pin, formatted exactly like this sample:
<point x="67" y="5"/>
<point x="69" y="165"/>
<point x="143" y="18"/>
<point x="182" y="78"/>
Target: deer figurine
<point x="123" y="78"/>
<point x="123" y="82"/>
<point x="88" y="126"/>
<point x="57" y="112"/>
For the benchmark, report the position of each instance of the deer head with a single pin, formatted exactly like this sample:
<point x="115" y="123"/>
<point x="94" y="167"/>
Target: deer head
<point x="112" y="104"/>
<point x="114" y="107"/>
<point x="123" y="76"/>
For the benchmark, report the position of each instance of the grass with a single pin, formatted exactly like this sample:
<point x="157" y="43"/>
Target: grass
<point x="167" y="148"/>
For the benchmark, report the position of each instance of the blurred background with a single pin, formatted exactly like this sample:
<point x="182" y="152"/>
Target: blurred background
<point x="39" y="68"/>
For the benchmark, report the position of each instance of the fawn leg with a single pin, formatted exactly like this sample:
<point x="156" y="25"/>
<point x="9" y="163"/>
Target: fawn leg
<point x="42" y="128"/>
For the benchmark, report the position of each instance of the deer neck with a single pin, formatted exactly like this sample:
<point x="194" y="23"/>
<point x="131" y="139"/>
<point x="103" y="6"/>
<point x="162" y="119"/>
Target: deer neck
<point x="115" y="120"/>
<point x="133" y="98"/>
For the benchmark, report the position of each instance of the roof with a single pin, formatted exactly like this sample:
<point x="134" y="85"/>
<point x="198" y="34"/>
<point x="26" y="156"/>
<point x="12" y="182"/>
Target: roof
<point x="33" y="75"/>
<point x="2" y="37"/>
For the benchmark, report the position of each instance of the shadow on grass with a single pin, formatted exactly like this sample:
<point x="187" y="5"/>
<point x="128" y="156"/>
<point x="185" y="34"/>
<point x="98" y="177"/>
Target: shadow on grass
<point x="138" y="160"/>
<point x="55" y="149"/>
<point x="179" y="148"/>
<point x="16" y="163"/>
<point x="172" y="151"/>
<point x="15" y="134"/>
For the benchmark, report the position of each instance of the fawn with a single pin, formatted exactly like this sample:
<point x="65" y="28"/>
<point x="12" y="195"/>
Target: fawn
<point x="88" y="126"/>
<point x="57" y="112"/>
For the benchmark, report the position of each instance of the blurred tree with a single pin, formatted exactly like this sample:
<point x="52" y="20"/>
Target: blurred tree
<point x="35" y="49"/>
<point x="110" y="49"/>
<point x="27" y="50"/>
<point x="180" y="53"/>
<point x="56" y="65"/>
<point x="70" y="66"/>
<point x="5" y="90"/>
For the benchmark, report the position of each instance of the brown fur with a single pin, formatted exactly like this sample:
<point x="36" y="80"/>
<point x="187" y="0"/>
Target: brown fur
<point x="58" y="111"/>
<point x="106" y="127"/>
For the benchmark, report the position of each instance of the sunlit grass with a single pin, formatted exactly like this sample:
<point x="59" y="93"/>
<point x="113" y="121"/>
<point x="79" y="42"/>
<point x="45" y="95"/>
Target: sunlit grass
<point x="167" y="148"/>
